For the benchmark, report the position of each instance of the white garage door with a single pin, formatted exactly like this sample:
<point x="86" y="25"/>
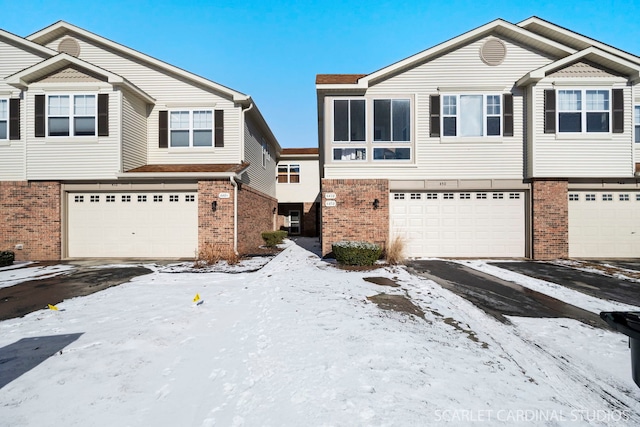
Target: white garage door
<point x="134" y="224"/>
<point x="460" y="224"/>
<point x="604" y="224"/>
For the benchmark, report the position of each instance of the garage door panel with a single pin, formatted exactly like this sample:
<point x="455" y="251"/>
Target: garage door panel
<point x="465" y="224"/>
<point x="132" y="224"/>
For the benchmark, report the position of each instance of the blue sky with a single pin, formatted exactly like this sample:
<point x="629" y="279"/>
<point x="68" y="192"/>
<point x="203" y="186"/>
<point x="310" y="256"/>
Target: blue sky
<point x="272" y="49"/>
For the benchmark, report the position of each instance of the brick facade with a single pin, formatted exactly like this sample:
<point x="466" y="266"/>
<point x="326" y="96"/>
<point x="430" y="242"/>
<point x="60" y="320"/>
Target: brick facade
<point x="354" y="217"/>
<point x="256" y="213"/>
<point x="550" y="219"/>
<point x="215" y="228"/>
<point x="30" y="216"/>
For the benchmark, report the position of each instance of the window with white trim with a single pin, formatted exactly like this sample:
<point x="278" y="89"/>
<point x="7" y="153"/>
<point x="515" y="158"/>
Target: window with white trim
<point x="349" y="154"/>
<point x="4" y="119"/>
<point x="636" y="123"/>
<point x="476" y="115"/>
<point x="391" y="120"/>
<point x="191" y="128"/>
<point x="574" y="197"/>
<point x="71" y="115"/>
<point x="349" y="120"/>
<point x="289" y="173"/>
<point x="583" y="110"/>
<point x="398" y="196"/>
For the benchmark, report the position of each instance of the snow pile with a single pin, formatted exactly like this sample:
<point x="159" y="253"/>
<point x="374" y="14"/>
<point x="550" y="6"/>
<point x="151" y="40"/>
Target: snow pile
<point x="297" y="343"/>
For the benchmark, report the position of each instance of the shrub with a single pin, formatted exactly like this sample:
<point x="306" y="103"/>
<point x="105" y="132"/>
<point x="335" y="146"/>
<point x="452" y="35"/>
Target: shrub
<point x="212" y="253"/>
<point x="356" y="253"/>
<point x="7" y="258"/>
<point x="395" y="251"/>
<point x="273" y="238"/>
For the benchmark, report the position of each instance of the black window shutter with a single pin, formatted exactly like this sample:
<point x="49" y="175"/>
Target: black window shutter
<point x="507" y="115"/>
<point x="434" y="112"/>
<point x="618" y="110"/>
<point x="163" y="129"/>
<point x="219" y="131"/>
<point x="103" y="114"/>
<point x="39" y="113"/>
<point x="549" y="111"/>
<point x="14" y="118"/>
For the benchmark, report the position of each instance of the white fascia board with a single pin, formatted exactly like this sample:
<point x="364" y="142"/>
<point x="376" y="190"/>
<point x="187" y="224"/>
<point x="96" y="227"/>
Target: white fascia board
<point x="337" y="86"/>
<point x="456" y="41"/>
<point x="579" y="37"/>
<point x="27" y="43"/>
<point x="61" y="25"/>
<point x="630" y="68"/>
<point x="178" y="175"/>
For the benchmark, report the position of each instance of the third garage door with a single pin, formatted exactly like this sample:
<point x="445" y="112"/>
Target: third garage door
<point x="460" y="224"/>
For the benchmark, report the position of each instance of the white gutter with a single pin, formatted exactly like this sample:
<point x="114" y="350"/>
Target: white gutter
<point x="243" y="111"/>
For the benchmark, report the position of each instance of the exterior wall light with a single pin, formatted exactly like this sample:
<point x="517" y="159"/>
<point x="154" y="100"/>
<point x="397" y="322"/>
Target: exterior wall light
<point x="376" y="204"/>
<point x="275" y="210"/>
<point x="214" y="205"/>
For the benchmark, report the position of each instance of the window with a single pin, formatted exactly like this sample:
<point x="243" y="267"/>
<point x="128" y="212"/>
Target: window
<point x="126" y="199"/>
<point x="189" y="198"/>
<point x="447" y="196"/>
<point x="514" y="196"/>
<point x="607" y="197"/>
<point x="416" y="196"/>
<point x="71" y="115"/>
<point x="289" y="174"/>
<point x="481" y="196"/>
<point x="498" y="196"/>
<point x="623" y="197"/>
<point x="348" y="120"/>
<point x="78" y="199"/>
<point x="94" y="199"/>
<point x="266" y="154"/>
<point x="142" y="198"/>
<point x="110" y="198"/>
<point x="590" y="197"/>
<point x="432" y="196"/>
<point x="583" y="110"/>
<point x="391" y="120"/>
<point x="398" y="196"/>
<point x="636" y="123"/>
<point x="157" y="198"/>
<point x="472" y="115"/>
<point x="399" y="153"/>
<point x="4" y="118"/>
<point x="191" y="128"/>
<point x="465" y="196"/>
<point x="174" y="198"/>
<point x="349" y="154"/>
<point x="573" y="197"/>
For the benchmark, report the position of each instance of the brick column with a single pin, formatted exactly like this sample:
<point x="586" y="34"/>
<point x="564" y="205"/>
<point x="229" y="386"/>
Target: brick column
<point x="30" y="216"/>
<point x="550" y="219"/>
<point x="255" y="215"/>
<point x="354" y="217"/>
<point x="215" y="228"/>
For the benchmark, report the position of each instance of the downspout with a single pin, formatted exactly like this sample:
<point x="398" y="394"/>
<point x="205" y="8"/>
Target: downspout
<point x="235" y="214"/>
<point x="235" y="184"/>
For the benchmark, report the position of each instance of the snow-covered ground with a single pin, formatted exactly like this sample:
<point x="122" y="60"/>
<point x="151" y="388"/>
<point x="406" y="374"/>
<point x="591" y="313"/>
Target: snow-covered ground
<point x="298" y="343"/>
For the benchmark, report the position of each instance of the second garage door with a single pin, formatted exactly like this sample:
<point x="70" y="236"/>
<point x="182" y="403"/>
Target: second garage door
<point x="460" y="224"/>
<point x="132" y="224"/>
<point x="604" y="224"/>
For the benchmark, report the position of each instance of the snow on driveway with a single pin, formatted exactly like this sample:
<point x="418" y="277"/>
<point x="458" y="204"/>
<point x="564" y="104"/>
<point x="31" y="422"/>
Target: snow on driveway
<point x="298" y="344"/>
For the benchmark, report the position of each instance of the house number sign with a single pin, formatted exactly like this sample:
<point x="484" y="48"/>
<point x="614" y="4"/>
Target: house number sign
<point x="224" y="195"/>
<point x="330" y="203"/>
<point x="329" y="196"/>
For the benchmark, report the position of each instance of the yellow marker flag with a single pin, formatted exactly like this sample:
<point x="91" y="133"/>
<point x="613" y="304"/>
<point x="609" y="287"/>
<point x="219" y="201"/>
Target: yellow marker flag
<point x="52" y="307"/>
<point x="196" y="298"/>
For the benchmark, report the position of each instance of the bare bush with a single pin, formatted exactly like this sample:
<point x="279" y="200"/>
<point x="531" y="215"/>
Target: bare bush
<point x="395" y="250"/>
<point x="213" y="253"/>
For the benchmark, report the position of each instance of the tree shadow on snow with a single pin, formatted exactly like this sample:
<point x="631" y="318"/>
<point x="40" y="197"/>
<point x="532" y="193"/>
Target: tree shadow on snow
<point x="311" y="244"/>
<point x="22" y="356"/>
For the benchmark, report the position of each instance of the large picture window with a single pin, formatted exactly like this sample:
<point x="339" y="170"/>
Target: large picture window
<point x="472" y="115"/>
<point x="191" y="128"/>
<point x="392" y="120"/>
<point x="636" y="123"/>
<point x="4" y="119"/>
<point x="583" y="110"/>
<point x="349" y="120"/>
<point x="71" y="115"/>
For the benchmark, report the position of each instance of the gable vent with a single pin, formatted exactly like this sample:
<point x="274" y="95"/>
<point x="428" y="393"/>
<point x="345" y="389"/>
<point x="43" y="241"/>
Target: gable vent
<point x="69" y="46"/>
<point x="493" y="52"/>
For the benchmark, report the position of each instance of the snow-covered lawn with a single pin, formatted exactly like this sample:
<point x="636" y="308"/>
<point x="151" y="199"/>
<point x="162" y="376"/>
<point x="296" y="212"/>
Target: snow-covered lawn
<point x="298" y="343"/>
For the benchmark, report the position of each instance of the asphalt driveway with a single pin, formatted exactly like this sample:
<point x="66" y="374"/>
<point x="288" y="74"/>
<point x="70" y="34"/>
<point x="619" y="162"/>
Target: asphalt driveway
<point x="593" y="284"/>
<point x="498" y="297"/>
<point x="32" y="295"/>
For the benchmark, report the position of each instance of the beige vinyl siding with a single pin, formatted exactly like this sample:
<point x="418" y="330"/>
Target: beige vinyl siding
<point x="12" y="166"/>
<point x="307" y="189"/>
<point x="587" y="155"/>
<point x="74" y="157"/>
<point x="258" y="177"/>
<point x="170" y="92"/>
<point x="134" y="131"/>
<point x="15" y="59"/>
<point x="459" y="71"/>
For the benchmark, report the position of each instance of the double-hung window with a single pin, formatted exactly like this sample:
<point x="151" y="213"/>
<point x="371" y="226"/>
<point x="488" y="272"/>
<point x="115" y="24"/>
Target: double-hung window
<point x="71" y="115"/>
<point x="4" y="119"/>
<point x="289" y="173"/>
<point x="191" y="128"/>
<point x="472" y="115"/>
<point x="581" y="110"/>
